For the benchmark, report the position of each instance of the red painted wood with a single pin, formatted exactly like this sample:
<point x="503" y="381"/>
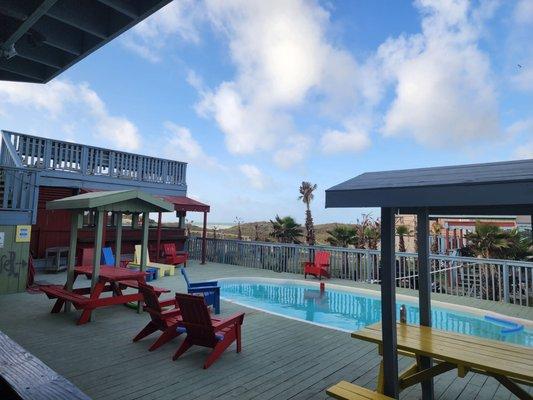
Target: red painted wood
<point x="202" y="330"/>
<point x="320" y="267"/>
<point x="172" y="256"/>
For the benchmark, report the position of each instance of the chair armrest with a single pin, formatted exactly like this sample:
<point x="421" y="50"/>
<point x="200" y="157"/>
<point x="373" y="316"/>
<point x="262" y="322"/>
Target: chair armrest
<point x="200" y="289"/>
<point x="233" y="319"/>
<point x="182" y="253"/>
<point x="166" y="303"/>
<point x="209" y="283"/>
<point x="308" y="264"/>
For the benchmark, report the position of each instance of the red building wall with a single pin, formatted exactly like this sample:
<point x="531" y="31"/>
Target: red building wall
<point x="52" y="229"/>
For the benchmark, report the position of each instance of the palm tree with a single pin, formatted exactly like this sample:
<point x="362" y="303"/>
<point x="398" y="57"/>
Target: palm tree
<point x="306" y="195"/>
<point x="286" y="230"/>
<point x="373" y="235"/>
<point x="488" y="240"/>
<point x="401" y="231"/>
<point x="342" y="236"/>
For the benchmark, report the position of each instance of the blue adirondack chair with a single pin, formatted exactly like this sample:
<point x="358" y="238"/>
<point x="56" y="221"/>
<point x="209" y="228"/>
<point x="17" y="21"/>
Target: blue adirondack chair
<point x="210" y="290"/>
<point x="109" y="259"/>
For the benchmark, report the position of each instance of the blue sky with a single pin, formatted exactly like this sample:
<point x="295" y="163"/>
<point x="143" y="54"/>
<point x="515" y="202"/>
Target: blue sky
<point x="258" y="96"/>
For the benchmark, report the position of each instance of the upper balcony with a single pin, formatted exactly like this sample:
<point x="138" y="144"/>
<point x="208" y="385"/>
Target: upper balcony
<point x="67" y="164"/>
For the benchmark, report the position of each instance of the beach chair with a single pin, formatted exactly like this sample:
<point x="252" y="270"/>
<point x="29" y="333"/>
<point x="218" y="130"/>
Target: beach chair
<point x="210" y="290"/>
<point x="320" y="267"/>
<point x="87" y="256"/>
<point x="204" y="331"/>
<point x="160" y="320"/>
<point x="163" y="269"/>
<point x="172" y="256"/>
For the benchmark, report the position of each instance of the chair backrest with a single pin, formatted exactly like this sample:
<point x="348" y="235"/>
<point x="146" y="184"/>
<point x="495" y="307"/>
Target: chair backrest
<point x="169" y="249"/>
<point x="149" y="296"/>
<point x="87" y="256"/>
<point x="185" y="276"/>
<point x="137" y="256"/>
<point x="108" y="257"/>
<point x="321" y="258"/>
<point x="196" y="318"/>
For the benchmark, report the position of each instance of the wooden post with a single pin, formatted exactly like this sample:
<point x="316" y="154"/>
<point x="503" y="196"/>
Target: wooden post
<point x="424" y="291"/>
<point x="204" y="238"/>
<point x="388" y="303"/>
<point x="118" y="239"/>
<point x="104" y="232"/>
<point x="144" y="248"/>
<point x="159" y="236"/>
<point x="74" y="221"/>
<point x="97" y="251"/>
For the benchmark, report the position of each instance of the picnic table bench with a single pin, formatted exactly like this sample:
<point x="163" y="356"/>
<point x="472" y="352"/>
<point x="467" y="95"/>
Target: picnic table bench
<point x="509" y="364"/>
<point x="24" y="376"/>
<point x="110" y="279"/>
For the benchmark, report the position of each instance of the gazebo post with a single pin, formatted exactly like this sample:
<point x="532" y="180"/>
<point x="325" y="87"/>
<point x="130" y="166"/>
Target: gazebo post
<point x="531" y="226"/>
<point x="204" y="238"/>
<point x="388" y="302"/>
<point x="74" y="222"/>
<point x="118" y="239"/>
<point x="97" y="251"/>
<point x="159" y="216"/>
<point x="144" y="247"/>
<point x="424" y="291"/>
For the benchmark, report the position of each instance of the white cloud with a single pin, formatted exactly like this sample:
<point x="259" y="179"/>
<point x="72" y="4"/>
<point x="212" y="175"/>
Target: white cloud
<point x="445" y="92"/>
<point x="254" y="176"/>
<point x="284" y="61"/>
<point x="181" y="144"/>
<point x="71" y="104"/>
<point x="525" y="151"/>
<point x="353" y="139"/>
<point x="523" y="12"/>
<point x="178" y="18"/>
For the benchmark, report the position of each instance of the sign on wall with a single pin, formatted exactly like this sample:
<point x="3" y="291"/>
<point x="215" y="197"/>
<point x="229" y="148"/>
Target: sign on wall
<point x="23" y="233"/>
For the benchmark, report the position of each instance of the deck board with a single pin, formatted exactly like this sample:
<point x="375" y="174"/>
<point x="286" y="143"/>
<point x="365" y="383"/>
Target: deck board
<point x="281" y="358"/>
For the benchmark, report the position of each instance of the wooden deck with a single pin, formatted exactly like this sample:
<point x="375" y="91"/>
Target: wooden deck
<point x="281" y="358"/>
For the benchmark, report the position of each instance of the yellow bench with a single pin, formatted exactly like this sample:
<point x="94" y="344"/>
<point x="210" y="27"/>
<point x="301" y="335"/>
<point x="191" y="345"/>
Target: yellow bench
<point x="348" y="391"/>
<point x="164" y="269"/>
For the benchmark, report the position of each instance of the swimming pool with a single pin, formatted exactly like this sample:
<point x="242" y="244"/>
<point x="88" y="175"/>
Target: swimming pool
<point x="349" y="309"/>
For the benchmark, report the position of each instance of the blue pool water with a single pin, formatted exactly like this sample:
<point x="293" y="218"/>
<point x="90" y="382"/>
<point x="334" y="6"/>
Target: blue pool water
<point x="350" y="311"/>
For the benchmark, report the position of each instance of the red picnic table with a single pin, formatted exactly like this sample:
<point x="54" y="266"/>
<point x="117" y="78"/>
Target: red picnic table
<point x="109" y="279"/>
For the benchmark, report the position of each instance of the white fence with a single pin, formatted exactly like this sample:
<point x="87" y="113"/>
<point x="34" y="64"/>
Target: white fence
<point x="497" y="280"/>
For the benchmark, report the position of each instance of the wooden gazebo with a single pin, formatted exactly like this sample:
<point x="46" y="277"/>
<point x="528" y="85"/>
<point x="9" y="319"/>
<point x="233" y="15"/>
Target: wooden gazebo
<point x="119" y="202"/>
<point x="503" y="188"/>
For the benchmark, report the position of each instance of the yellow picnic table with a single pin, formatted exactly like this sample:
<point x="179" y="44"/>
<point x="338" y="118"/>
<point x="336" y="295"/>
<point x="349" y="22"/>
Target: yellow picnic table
<point x="508" y="363"/>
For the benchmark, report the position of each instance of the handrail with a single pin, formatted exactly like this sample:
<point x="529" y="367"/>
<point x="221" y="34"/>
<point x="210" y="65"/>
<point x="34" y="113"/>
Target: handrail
<point x="58" y="155"/>
<point x="7" y="148"/>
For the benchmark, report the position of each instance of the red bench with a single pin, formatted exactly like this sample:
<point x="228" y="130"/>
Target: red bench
<point x="58" y="292"/>
<point x="135" y="285"/>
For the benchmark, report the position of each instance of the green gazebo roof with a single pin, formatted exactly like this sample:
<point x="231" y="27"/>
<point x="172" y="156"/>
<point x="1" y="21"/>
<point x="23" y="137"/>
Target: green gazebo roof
<point x="128" y="201"/>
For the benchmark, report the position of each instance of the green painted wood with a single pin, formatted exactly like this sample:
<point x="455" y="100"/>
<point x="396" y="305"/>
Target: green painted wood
<point x="144" y="248"/>
<point x="13" y="262"/>
<point x="118" y="241"/>
<point x="74" y="223"/>
<point x="115" y="200"/>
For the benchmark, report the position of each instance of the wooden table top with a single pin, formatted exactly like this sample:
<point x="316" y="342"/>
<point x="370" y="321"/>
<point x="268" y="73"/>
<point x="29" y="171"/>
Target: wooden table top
<point x="511" y="360"/>
<point x="112" y="273"/>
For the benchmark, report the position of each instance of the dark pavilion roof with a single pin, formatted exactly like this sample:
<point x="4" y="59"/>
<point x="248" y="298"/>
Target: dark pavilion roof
<point x="501" y="187"/>
<point x="39" y="39"/>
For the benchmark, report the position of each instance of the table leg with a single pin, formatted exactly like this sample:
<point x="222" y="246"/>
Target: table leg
<point x="86" y="314"/>
<point x="381" y="378"/>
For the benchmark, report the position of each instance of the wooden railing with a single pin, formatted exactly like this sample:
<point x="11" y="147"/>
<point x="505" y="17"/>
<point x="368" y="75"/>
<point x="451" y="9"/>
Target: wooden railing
<point x="489" y="279"/>
<point x="50" y="154"/>
<point x="19" y="191"/>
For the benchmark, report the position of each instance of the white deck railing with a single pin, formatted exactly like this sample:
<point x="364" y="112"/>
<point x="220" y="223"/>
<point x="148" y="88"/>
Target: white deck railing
<point x="497" y="280"/>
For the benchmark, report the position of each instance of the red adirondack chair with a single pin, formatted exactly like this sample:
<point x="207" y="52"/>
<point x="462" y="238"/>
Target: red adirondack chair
<point x="87" y="256"/>
<point x="165" y="321"/>
<point x="202" y="330"/>
<point x="320" y="267"/>
<point x="172" y="256"/>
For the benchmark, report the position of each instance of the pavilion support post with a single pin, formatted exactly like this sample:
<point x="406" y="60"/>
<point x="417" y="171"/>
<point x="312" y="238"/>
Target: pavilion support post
<point x="118" y="239"/>
<point x="159" y="217"/>
<point x="74" y="223"/>
<point x="144" y="248"/>
<point x="97" y="251"/>
<point x="204" y="238"/>
<point x="388" y="302"/>
<point x="531" y="226"/>
<point x="424" y="291"/>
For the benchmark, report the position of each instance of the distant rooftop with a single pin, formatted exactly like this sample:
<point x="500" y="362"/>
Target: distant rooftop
<point x="39" y="39"/>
